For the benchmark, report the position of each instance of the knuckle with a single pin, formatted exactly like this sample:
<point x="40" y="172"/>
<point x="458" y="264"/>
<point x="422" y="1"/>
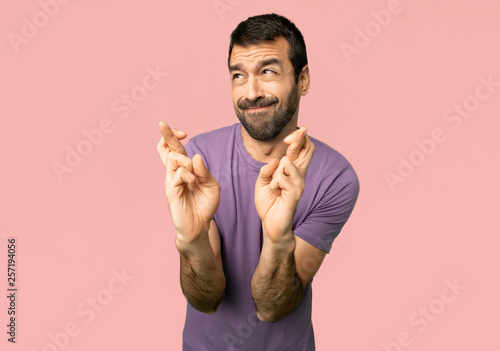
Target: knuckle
<point x="282" y="178"/>
<point x="180" y="171"/>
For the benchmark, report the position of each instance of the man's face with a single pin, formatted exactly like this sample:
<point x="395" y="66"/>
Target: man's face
<point x="265" y="95"/>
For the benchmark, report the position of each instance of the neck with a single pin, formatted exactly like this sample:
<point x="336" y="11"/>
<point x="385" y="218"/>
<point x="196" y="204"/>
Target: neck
<point x="265" y="151"/>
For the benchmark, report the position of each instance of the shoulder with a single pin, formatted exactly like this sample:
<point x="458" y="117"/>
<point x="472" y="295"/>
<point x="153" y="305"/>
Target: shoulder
<point x="214" y="140"/>
<point x="331" y="179"/>
<point x="330" y="164"/>
<point x="217" y="136"/>
<point x="332" y="189"/>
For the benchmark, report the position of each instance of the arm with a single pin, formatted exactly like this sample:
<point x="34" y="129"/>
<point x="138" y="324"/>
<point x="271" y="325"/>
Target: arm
<point x="287" y="263"/>
<point x="281" y="277"/>
<point x="202" y="278"/>
<point x="193" y="197"/>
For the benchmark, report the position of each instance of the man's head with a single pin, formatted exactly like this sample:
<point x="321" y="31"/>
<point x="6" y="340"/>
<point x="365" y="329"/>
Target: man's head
<point x="262" y="28"/>
<point x="268" y="66"/>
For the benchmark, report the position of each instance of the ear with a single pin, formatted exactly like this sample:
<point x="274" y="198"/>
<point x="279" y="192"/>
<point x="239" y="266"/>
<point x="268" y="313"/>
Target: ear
<point x="304" y="80"/>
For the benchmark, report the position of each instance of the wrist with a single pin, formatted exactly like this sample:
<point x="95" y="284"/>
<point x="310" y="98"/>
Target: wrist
<point x="284" y="243"/>
<point x="187" y="244"/>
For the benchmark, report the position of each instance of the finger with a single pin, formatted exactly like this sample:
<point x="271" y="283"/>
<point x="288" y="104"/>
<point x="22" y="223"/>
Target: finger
<point x="162" y="152"/>
<point x="200" y="170"/>
<point x="281" y="181"/>
<point x="289" y="172"/>
<point x="205" y="178"/>
<point x="266" y="173"/>
<point x="183" y="177"/>
<point x="268" y="170"/>
<point x="309" y="148"/>
<point x="305" y="156"/>
<point x="176" y="161"/>
<point x="171" y="141"/>
<point x="288" y="168"/>
<point x="179" y="160"/>
<point x="289" y="138"/>
<point x="289" y="185"/>
<point x="179" y="133"/>
<point x="296" y="142"/>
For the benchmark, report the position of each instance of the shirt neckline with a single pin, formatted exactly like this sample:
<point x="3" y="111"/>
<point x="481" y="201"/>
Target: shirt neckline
<point x="253" y="163"/>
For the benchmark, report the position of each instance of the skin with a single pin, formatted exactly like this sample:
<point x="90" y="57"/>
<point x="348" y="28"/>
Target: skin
<point x="193" y="197"/>
<point x="261" y="75"/>
<point x="252" y="81"/>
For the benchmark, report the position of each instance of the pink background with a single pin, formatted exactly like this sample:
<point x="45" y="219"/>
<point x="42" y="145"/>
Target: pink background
<point x="110" y="212"/>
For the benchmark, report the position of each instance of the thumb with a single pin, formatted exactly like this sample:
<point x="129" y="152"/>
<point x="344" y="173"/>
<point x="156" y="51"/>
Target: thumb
<point x="266" y="173"/>
<point x="200" y="170"/>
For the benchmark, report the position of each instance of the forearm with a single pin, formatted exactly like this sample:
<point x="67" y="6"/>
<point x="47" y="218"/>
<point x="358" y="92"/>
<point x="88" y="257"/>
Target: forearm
<point x="201" y="274"/>
<point x="276" y="287"/>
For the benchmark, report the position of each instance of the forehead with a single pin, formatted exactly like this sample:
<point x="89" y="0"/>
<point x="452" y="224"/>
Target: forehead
<point x="277" y="48"/>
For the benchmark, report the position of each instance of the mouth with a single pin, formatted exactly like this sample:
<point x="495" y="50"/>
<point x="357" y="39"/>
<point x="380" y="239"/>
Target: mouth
<point x="259" y="109"/>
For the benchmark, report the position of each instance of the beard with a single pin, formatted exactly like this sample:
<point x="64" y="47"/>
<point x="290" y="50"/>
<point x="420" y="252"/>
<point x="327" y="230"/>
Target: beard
<point x="267" y="125"/>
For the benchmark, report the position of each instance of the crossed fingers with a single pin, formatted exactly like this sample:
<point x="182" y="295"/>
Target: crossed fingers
<point x="180" y="171"/>
<point x="281" y="176"/>
<point x="170" y="141"/>
<point x="300" y="149"/>
<point x="287" y="177"/>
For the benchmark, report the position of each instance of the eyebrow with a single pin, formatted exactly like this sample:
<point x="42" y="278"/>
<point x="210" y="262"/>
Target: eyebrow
<point x="263" y="63"/>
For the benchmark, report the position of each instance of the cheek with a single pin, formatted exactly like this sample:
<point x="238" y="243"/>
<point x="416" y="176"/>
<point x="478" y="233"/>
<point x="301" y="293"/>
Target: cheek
<point x="236" y="98"/>
<point x="279" y="90"/>
<point x="237" y="94"/>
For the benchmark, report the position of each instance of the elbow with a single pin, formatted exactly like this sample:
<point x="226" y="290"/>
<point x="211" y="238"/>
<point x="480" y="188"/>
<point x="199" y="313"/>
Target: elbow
<point x="273" y="312"/>
<point x="270" y="317"/>
<point x="213" y="308"/>
<point x="206" y="306"/>
<point x="206" y="309"/>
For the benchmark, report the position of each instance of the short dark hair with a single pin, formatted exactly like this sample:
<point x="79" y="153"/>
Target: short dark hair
<point x="258" y="29"/>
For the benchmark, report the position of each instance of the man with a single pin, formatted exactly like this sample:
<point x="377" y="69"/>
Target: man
<point x="255" y="212"/>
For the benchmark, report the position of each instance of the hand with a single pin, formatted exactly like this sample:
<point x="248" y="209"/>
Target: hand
<point x="278" y="190"/>
<point x="300" y="150"/>
<point x="170" y="141"/>
<point x="193" y="196"/>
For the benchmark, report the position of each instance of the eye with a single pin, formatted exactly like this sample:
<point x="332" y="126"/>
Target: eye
<point x="268" y="71"/>
<point x="237" y="76"/>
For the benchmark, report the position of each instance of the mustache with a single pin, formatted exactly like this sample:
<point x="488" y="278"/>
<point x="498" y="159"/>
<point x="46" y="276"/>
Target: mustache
<point x="260" y="102"/>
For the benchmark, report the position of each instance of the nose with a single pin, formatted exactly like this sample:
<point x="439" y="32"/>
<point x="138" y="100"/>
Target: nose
<point x="254" y="89"/>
